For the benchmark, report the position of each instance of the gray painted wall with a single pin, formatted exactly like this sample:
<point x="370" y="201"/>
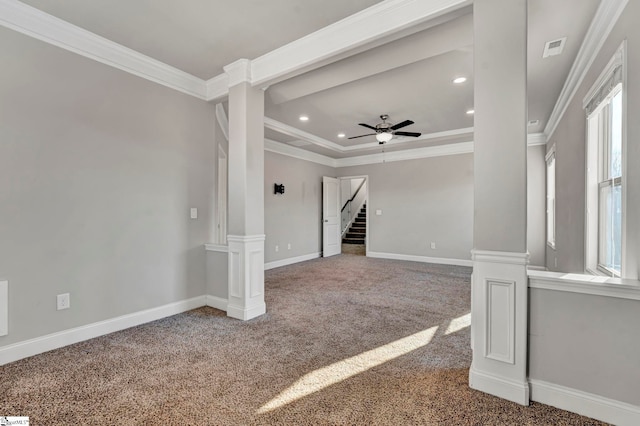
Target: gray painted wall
<point x="431" y="199"/>
<point x="569" y="138"/>
<point x="217" y="274"/>
<point x="294" y="217"/>
<point x="536" y="204"/>
<point x="588" y="342"/>
<point x="98" y="170"/>
<point x="422" y="201"/>
<point x="500" y="152"/>
<point x="585" y="342"/>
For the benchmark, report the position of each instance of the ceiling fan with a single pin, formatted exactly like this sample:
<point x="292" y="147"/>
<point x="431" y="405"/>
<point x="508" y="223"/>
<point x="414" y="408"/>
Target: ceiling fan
<point x="385" y="131"/>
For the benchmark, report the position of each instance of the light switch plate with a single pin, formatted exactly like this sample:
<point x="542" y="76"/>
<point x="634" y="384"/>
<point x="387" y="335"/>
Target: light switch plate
<point x="378" y="212"/>
<point x="194" y="213"/>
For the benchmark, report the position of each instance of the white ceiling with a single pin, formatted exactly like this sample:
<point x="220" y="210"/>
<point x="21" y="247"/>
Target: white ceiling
<point x="406" y="78"/>
<point x="201" y="36"/>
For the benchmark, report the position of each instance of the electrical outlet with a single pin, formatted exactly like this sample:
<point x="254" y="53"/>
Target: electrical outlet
<point x="194" y="213"/>
<point x="433" y="245"/>
<point x="289" y="246"/>
<point x="277" y="248"/>
<point x="64" y="301"/>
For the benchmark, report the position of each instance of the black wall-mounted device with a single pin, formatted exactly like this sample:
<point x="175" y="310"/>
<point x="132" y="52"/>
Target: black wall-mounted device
<point x="278" y="188"/>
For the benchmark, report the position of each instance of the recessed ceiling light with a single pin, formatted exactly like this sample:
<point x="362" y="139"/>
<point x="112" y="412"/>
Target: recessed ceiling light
<point x="304" y="118"/>
<point x="471" y="111"/>
<point x="459" y="80"/>
<point x="341" y="135"/>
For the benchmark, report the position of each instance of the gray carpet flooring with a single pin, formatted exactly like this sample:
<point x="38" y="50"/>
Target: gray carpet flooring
<point x="347" y="340"/>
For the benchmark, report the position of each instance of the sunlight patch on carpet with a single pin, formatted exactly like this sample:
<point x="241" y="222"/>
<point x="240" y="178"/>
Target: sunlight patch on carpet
<point x="342" y="370"/>
<point x="459" y="323"/>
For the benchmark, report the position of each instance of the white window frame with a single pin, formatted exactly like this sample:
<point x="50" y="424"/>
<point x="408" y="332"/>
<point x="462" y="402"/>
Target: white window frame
<point x="594" y="161"/>
<point x="550" y="160"/>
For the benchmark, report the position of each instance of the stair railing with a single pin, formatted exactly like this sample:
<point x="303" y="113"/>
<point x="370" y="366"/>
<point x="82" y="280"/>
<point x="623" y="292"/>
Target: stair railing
<point x="348" y="212"/>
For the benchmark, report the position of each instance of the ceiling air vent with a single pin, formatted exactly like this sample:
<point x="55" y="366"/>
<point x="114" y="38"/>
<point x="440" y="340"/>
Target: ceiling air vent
<point x="554" y="47"/>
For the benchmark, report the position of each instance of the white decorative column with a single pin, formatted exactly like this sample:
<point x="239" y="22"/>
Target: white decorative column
<point x="499" y="282"/>
<point x="246" y="194"/>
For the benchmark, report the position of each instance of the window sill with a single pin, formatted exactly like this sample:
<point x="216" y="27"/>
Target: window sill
<point x="217" y="247"/>
<point x="585" y="284"/>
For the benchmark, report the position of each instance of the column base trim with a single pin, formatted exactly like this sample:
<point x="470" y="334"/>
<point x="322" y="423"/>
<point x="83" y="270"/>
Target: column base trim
<point x="501" y="387"/>
<point x="245" y="238"/>
<point x="245" y="314"/>
<point x="503" y="257"/>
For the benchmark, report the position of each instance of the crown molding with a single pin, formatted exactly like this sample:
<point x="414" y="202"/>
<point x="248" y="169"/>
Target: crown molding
<point x="371" y="24"/>
<point x="285" y="129"/>
<point x="603" y="22"/>
<point x="217" y="87"/>
<point x="300" y="154"/>
<point x="35" y="23"/>
<point x="466" y="131"/>
<point x="238" y="72"/>
<point x="407" y="154"/>
<point x="535" y="139"/>
<point x="376" y="22"/>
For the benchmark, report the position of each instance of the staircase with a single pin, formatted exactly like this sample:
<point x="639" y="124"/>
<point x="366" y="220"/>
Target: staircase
<point x="358" y="230"/>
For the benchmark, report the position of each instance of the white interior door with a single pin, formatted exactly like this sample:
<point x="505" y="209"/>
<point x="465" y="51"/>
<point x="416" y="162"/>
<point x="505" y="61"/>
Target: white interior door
<point x="331" y="242"/>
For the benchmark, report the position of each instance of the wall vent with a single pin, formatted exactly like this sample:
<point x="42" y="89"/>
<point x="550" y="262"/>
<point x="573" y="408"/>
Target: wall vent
<point x="554" y="47"/>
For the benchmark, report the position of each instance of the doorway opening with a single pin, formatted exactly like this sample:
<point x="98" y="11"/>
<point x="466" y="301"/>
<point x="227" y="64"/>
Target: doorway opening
<point x="354" y="218"/>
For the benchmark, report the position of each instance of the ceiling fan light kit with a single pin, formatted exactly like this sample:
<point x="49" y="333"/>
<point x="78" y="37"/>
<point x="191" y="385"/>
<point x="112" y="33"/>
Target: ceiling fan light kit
<point x="384" y="137"/>
<point x="384" y="131"/>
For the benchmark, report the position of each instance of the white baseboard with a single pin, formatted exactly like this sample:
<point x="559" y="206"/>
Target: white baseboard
<point x="291" y="261"/>
<point x="217" y="302"/>
<point x="536" y="268"/>
<point x="424" y="259"/>
<point x="57" y="340"/>
<point x="499" y="386"/>
<point x="586" y="404"/>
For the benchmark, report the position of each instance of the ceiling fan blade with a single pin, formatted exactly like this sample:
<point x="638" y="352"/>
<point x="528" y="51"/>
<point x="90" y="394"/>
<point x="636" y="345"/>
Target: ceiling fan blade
<point x="400" y="125"/>
<point x="367" y="126"/>
<point x="415" y="135"/>
<point x="362" y="136"/>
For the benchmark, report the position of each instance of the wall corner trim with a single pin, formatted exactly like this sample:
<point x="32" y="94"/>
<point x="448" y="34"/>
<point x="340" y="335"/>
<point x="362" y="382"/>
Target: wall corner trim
<point x="585" y="404"/>
<point x="59" y="339"/>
